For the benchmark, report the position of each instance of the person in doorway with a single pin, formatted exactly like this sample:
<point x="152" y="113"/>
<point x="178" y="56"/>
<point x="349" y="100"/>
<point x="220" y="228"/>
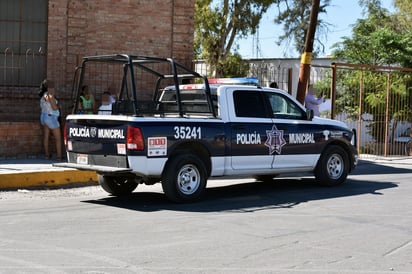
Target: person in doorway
<point x="49" y="116"/>
<point x="311" y="101"/>
<point x="87" y="103"/>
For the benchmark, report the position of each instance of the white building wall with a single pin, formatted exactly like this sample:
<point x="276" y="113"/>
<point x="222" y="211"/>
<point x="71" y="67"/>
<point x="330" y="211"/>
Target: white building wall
<point x="272" y="69"/>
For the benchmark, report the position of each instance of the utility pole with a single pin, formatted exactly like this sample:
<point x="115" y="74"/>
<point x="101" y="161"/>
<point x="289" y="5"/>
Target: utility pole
<point x="306" y="59"/>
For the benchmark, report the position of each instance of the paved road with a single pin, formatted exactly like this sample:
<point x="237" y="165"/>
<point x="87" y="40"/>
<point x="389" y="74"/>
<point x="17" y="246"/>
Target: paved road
<point x="241" y="226"/>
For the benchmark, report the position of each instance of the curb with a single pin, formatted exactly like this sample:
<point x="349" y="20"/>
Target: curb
<point x="46" y="178"/>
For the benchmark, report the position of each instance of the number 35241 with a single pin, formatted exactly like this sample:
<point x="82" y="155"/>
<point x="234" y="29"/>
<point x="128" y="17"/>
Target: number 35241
<point x="186" y="132"/>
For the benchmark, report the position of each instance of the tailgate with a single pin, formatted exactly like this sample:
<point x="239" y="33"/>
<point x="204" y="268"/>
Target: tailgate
<point x="92" y="143"/>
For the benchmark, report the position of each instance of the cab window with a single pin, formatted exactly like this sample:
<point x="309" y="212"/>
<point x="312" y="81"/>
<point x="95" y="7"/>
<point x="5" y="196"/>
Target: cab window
<point x="284" y="108"/>
<point x="249" y="103"/>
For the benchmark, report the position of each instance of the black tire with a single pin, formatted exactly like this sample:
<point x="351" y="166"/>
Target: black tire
<point x="118" y="185"/>
<point x="184" y="178"/>
<point x="333" y="167"/>
<point x="265" y="178"/>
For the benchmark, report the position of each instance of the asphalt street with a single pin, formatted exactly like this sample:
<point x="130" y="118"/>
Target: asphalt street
<point x="241" y="226"/>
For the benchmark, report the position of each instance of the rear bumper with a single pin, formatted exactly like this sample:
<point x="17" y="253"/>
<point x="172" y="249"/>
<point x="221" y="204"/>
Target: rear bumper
<point x="97" y="168"/>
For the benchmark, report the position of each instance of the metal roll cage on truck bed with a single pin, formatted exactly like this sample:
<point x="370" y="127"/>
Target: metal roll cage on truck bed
<point x="171" y="125"/>
<point x="176" y="74"/>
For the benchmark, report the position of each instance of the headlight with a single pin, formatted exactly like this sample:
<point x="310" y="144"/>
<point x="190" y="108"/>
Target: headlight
<point x="353" y="139"/>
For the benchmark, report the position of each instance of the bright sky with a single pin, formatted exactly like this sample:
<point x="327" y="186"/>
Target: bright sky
<point x="341" y="14"/>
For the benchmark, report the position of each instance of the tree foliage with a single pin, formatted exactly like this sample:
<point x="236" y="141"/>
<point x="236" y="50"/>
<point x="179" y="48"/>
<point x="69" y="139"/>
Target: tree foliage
<point x="219" y="23"/>
<point x="378" y="39"/>
<point x="234" y="66"/>
<point x="294" y="15"/>
<point x="404" y="13"/>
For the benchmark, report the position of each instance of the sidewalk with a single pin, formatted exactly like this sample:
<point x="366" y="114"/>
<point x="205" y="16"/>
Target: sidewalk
<point x="33" y="173"/>
<point x="40" y="173"/>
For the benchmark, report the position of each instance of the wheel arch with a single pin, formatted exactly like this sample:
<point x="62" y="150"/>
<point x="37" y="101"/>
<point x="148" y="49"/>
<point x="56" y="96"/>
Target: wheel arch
<point x="346" y="147"/>
<point x="196" y="148"/>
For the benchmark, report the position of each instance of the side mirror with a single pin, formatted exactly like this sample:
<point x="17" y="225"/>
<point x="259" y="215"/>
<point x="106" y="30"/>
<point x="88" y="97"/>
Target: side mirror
<point x="309" y="114"/>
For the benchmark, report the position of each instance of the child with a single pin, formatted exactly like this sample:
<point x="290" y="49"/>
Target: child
<point x="106" y="107"/>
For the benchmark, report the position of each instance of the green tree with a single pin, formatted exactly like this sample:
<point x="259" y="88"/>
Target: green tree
<point x="219" y="23"/>
<point x="378" y="40"/>
<point x="404" y="13"/>
<point x="234" y="66"/>
<point x="294" y="15"/>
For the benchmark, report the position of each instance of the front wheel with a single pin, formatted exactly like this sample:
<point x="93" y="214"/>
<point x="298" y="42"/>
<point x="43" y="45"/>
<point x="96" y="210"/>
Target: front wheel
<point x="333" y="167"/>
<point x="118" y="185"/>
<point x="184" y="178"/>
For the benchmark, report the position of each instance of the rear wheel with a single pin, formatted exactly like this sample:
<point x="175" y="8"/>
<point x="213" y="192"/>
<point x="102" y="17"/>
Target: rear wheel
<point x="118" y="185"/>
<point x="333" y="167"/>
<point x="184" y="178"/>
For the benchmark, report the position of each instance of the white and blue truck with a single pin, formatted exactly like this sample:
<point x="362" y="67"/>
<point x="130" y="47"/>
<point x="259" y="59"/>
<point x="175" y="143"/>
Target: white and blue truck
<point x="171" y="125"/>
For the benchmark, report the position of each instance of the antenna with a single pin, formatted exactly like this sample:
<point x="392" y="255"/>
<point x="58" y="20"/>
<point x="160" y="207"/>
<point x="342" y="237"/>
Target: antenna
<point x="256" y="52"/>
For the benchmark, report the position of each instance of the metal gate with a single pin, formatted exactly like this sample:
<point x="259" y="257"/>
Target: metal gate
<point x="376" y="100"/>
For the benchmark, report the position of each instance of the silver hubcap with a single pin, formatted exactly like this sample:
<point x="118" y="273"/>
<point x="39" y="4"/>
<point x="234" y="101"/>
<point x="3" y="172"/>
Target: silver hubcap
<point x="335" y="166"/>
<point x="188" y="179"/>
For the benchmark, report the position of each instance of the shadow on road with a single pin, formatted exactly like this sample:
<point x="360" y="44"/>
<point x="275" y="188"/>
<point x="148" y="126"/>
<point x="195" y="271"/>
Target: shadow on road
<point x="248" y="197"/>
<point x="368" y="167"/>
<point x="252" y="196"/>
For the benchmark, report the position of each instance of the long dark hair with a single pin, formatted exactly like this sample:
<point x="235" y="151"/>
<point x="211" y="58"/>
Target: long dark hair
<point x="44" y="85"/>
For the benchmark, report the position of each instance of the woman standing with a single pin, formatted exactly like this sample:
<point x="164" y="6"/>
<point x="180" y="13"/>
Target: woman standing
<point x="49" y="118"/>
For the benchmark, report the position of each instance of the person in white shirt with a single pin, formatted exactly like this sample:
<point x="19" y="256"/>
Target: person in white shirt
<point x="106" y="106"/>
<point x="311" y="101"/>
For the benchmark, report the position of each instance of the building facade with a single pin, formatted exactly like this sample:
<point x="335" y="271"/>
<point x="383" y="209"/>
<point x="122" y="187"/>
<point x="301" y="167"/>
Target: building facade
<point x="48" y="38"/>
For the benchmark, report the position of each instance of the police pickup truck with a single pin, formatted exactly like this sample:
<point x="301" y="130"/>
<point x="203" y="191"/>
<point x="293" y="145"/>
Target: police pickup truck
<point x="171" y="125"/>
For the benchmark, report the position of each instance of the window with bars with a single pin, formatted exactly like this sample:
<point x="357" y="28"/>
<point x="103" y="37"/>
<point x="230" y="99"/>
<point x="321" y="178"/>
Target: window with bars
<point x="23" y="42"/>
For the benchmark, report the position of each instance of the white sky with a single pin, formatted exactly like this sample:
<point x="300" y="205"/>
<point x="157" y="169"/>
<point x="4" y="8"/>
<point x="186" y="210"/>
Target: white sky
<point x="341" y="14"/>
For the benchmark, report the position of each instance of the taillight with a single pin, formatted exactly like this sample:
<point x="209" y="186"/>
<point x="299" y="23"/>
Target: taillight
<point x="134" y="139"/>
<point x="65" y="135"/>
